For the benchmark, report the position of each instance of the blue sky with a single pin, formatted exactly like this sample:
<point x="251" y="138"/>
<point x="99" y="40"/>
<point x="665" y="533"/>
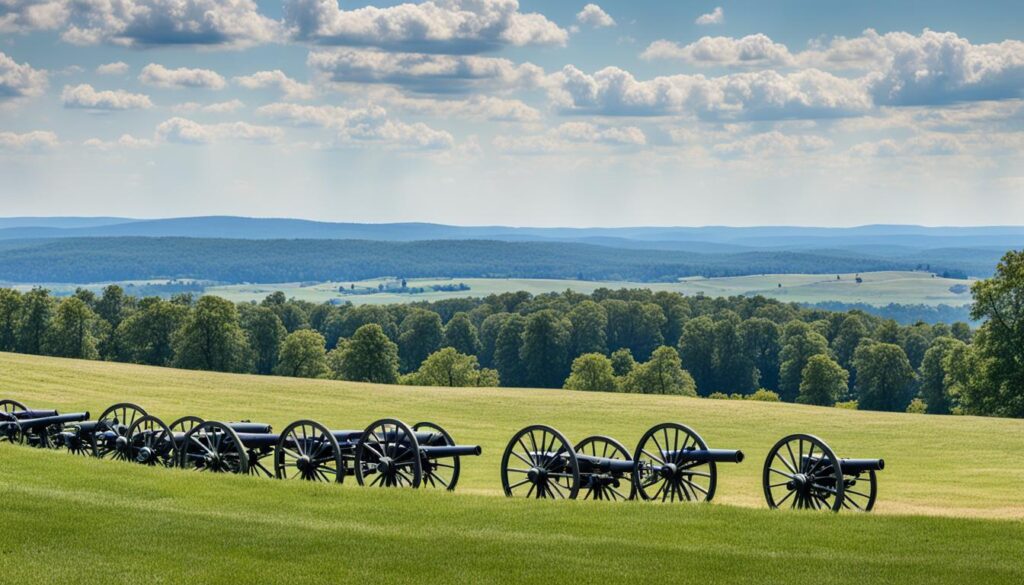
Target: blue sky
<point x="523" y="113"/>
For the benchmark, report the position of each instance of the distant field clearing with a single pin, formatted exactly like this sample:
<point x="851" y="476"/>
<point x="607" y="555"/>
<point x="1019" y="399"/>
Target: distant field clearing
<point x="875" y="288"/>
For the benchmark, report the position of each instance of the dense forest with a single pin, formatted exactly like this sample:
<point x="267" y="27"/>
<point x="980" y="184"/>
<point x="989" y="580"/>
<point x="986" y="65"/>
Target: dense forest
<point x="629" y="340"/>
<point x="234" y="261"/>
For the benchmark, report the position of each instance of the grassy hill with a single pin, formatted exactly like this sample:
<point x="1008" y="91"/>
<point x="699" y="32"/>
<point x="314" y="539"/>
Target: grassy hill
<point x="86" y="520"/>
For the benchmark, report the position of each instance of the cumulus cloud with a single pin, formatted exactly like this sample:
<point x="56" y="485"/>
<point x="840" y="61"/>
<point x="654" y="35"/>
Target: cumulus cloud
<point x="433" y="26"/>
<point x="19" y="16"/>
<point x="565" y="136"/>
<point x="126" y="141"/>
<point x="749" y="51"/>
<point x="371" y="124"/>
<point x="145" y="23"/>
<point x="19" y="80"/>
<point x="770" y="145"/>
<point x="924" y="145"/>
<point x="749" y="95"/>
<point x="593" y="15"/>
<point x="477" y="107"/>
<point x="423" y="72"/>
<point x="277" y="79"/>
<point x="183" y="77"/>
<point x="85" y="96"/>
<point x="35" y="141"/>
<point x="716" y="16"/>
<point x="115" y="68"/>
<point x="185" y="131"/>
<point x="226" y="107"/>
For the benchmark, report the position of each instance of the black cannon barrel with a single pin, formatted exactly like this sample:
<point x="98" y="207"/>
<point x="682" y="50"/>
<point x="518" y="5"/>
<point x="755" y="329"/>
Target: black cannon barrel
<point x="90" y="427"/>
<point x="705" y="455"/>
<point x="451" y="451"/>
<point x="35" y="423"/>
<point x="249" y="427"/>
<point x="27" y="414"/>
<point x="252" y="440"/>
<point x="855" y="466"/>
<point x="591" y="464"/>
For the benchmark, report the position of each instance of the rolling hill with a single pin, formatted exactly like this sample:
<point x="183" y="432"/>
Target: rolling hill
<point x="950" y="508"/>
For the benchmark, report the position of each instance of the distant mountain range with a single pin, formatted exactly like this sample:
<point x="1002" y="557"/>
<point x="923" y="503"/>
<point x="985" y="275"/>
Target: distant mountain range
<point x="883" y="240"/>
<point x="240" y="249"/>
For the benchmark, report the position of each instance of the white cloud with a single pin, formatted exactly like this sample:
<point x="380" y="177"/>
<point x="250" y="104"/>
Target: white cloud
<point x="569" y="135"/>
<point x="19" y="80"/>
<point x="924" y="145"/>
<point x="185" y="131"/>
<point x="424" y="73"/>
<point x="126" y="141"/>
<point x="183" y="77"/>
<point x="291" y="88"/>
<point x="361" y="125"/>
<point x="20" y="16"/>
<point x="145" y="23"/>
<point x="35" y="141"/>
<point x="477" y="107"/>
<point x="749" y="51"/>
<point x="593" y="15"/>
<point x="85" y="96"/>
<point x="754" y="95"/>
<point x="115" y="68"/>
<point x="716" y="16"/>
<point x="771" y="144"/>
<point x="226" y="107"/>
<point x="438" y="26"/>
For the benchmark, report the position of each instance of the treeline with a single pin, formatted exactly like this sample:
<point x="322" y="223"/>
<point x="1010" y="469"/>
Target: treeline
<point x="628" y="340"/>
<point x="234" y="261"/>
<point x="902" y="314"/>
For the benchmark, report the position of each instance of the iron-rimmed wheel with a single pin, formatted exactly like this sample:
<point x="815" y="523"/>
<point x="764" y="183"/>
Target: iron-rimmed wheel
<point x="439" y="473"/>
<point x="77" y="441"/>
<point x="110" y="440"/>
<point x="606" y="485"/>
<point x="8" y="405"/>
<point x="804" y="472"/>
<point x="151" y="442"/>
<point x="10" y="431"/>
<point x="308" y="450"/>
<point x="539" y="462"/>
<point x="662" y="471"/>
<point x="856" y="497"/>
<point x="388" y="453"/>
<point x="213" y="446"/>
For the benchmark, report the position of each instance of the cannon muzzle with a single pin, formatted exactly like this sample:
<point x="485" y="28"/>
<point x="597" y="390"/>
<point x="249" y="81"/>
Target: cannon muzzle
<point x="441" y="452"/>
<point x="856" y="466"/>
<point x="62" y="419"/>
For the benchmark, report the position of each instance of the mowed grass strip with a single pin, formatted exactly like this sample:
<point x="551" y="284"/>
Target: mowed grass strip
<point x="70" y="519"/>
<point x="951" y="466"/>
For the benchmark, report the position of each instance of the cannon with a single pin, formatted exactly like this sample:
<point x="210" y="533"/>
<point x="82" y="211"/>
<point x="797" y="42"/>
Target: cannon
<point x="154" y="443"/>
<point x="388" y="453"/>
<point x="105" y="437"/>
<point x="805" y="472"/>
<point x="11" y="412"/>
<point x="671" y="463"/>
<point x="220" y="447"/>
<point x="47" y="432"/>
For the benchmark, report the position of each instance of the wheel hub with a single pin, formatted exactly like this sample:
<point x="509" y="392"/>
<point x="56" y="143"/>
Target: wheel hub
<point x="304" y="463"/>
<point x="668" y="471"/>
<point x="385" y="465"/>
<point x="145" y="455"/>
<point x="537" y="475"/>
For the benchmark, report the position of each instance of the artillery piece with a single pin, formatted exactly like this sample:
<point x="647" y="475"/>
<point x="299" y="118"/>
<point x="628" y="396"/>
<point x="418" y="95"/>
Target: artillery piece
<point x="220" y="447"/>
<point x="804" y="471"/>
<point x="11" y="413"/>
<point x="671" y="462"/>
<point x="388" y="453"/>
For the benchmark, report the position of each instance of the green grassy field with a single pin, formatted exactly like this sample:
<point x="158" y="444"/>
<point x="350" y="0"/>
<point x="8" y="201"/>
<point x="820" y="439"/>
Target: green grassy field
<point x="877" y="288"/>
<point x="951" y="509"/>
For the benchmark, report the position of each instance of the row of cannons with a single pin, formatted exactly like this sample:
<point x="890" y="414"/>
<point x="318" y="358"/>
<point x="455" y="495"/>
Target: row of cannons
<point x="388" y="453"/>
<point x="671" y="462"/>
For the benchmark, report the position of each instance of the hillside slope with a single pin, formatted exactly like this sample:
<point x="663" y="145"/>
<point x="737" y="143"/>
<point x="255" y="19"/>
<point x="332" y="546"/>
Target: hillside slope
<point x="960" y="466"/>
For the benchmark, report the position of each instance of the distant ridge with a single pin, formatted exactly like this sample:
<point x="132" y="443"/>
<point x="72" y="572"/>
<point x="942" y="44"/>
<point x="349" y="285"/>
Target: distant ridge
<point x="707" y="239"/>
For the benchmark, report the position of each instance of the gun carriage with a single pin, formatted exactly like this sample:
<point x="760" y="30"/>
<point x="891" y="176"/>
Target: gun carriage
<point x="803" y="472"/>
<point x="671" y="463"/>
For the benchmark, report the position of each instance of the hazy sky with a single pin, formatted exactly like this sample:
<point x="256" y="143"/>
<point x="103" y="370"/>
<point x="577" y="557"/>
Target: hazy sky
<point x="681" y="112"/>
